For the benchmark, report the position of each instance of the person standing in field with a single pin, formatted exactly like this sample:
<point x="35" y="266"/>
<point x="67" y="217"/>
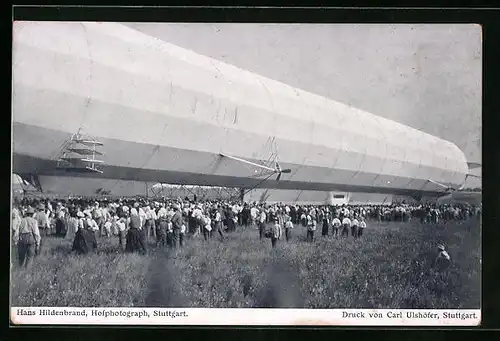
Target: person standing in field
<point x="28" y="245"/>
<point x="346" y="225"/>
<point x="326" y="222"/>
<point x="303" y="219"/>
<point x="98" y="217"/>
<point x="217" y="221"/>
<point x="60" y="221"/>
<point x="288" y="227"/>
<point x="85" y="240"/>
<point x="207" y="227"/>
<point x="177" y="223"/>
<point x="42" y="220"/>
<point x="311" y="227"/>
<point x="150" y="222"/>
<point x="275" y="232"/>
<point x="107" y="213"/>
<point x="253" y="215"/>
<point x="354" y="226"/>
<point x="434" y="216"/>
<point x="107" y="228"/>
<point x="16" y="221"/>
<point x="161" y="227"/>
<point x="90" y="223"/>
<point x="170" y="232"/>
<point x="182" y="233"/>
<point x="161" y="230"/>
<point x="443" y="259"/>
<point x="336" y="224"/>
<point x="122" y="224"/>
<point x="72" y="225"/>
<point x="135" y="235"/>
<point x="262" y="224"/>
<point x="362" y="226"/>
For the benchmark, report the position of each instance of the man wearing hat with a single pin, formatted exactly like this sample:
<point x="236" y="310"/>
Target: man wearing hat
<point x="42" y="219"/>
<point x="217" y="221"/>
<point x="311" y="227"/>
<point x="276" y="232"/>
<point x="443" y="259"/>
<point x="150" y="224"/>
<point x="177" y="223"/>
<point x="162" y="228"/>
<point x="29" y="239"/>
<point x="60" y="219"/>
<point x="336" y="225"/>
<point x="197" y="219"/>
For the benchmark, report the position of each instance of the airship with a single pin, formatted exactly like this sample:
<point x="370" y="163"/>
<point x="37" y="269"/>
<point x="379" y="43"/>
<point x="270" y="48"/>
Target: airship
<point x="103" y="102"/>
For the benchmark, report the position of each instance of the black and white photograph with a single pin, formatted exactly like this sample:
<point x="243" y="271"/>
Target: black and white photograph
<point x="246" y="165"/>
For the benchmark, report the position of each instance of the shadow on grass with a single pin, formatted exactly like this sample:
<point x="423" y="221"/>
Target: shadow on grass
<point x="163" y="291"/>
<point x="282" y="288"/>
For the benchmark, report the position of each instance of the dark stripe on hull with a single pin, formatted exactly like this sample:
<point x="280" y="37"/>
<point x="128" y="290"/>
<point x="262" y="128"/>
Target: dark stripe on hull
<point x="27" y="164"/>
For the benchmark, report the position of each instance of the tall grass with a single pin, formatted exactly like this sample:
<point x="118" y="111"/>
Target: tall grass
<point x="389" y="267"/>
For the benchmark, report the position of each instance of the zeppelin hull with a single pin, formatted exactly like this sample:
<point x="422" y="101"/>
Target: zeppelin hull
<point x="139" y="162"/>
<point x="164" y="114"/>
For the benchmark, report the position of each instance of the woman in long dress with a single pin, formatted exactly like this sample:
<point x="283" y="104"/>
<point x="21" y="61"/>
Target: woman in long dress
<point x="72" y="225"/>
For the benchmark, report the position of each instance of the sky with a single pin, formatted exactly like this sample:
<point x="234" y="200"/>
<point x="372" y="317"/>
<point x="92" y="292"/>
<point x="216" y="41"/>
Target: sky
<point x="427" y="76"/>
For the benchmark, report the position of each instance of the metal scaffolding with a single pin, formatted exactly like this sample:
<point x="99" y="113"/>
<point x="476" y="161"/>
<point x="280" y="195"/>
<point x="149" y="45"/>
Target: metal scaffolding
<point x="79" y="154"/>
<point x="200" y="192"/>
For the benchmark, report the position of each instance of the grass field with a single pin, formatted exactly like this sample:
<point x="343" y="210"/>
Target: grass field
<point x="388" y="268"/>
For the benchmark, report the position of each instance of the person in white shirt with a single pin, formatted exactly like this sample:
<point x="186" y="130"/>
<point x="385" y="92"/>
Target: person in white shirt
<point x="16" y="222"/>
<point x="253" y="215"/>
<point x="182" y="232"/>
<point x="72" y="226"/>
<point x="311" y="227"/>
<point x="336" y="224"/>
<point x="98" y="217"/>
<point x="207" y="227"/>
<point x="361" y="228"/>
<point x="42" y="219"/>
<point x="262" y="224"/>
<point x="91" y="224"/>
<point x="142" y="216"/>
<point x="150" y="216"/>
<point x="303" y="219"/>
<point x="81" y="218"/>
<point x="346" y="225"/>
<point x="107" y="228"/>
<point x="288" y="227"/>
<point x="162" y="213"/>
<point x="275" y="233"/>
<point x="197" y="215"/>
<point x="217" y="223"/>
<point x="354" y="227"/>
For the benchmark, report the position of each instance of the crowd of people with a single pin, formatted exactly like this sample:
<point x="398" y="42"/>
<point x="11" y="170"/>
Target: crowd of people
<point x="136" y="222"/>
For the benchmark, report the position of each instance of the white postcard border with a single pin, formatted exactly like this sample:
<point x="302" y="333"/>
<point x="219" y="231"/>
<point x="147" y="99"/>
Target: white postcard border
<point x="243" y="316"/>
